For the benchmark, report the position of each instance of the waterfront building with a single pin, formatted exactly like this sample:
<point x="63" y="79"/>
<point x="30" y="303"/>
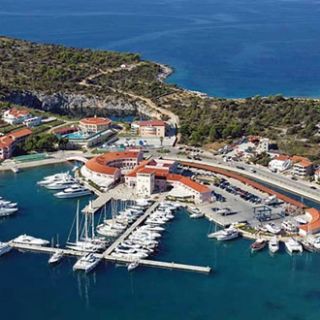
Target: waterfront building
<point x="15" y="116"/>
<point x="107" y="169"/>
<point x="9" y="142"/>
<point x="302" y="167"/>
<point x="313" y="225"/>
<point x="158" y="175"/>
<point x="149" y="128"/>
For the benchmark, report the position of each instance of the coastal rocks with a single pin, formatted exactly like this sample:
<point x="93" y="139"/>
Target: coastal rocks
<point x="75" y="104"/>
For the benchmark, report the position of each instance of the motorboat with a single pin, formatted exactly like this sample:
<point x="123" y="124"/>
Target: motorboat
<point x="25" y="239"/>
<point x="107" y="231"/>
<point x="258" y="245"/>
<point x="4" y="248"/>
<point x="61" y="184"/>
<point x="293" y="246"/>
<point x="273" y="245"/>
<point x="4" y="211"/>
<point x="74" y="191"/>
<point x="273" y="228"/>
<point x="83" y="246"/>
<point x="143" y="203"/>
<point x="133" y="265"/>
<point x="7" y="204"/>
<point x="53" y="178"/>
<point x="196" y="215"/>
<point x="152" y="228"/>
<point x="225" y="235"/>
<point x="311" y="244"/>
<point x="87" y="263"/>
<point x="56" y="257"/>
<point x="289" y="226"/>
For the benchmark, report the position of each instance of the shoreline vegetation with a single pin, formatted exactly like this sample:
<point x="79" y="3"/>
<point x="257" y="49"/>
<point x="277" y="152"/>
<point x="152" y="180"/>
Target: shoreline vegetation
<point x="79" y="82"/>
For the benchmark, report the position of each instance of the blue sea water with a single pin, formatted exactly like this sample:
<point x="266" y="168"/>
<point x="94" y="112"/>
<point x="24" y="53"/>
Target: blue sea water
<point x="242" y="286"/>
<point x="227" y="48"/>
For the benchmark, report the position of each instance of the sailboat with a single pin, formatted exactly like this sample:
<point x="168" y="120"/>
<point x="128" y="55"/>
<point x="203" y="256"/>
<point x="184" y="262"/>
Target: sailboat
<point x="86" y="244"/>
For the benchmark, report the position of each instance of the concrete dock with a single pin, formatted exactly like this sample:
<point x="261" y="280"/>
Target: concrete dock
<point x="106" y="255"/>
<point x="130" y="229"/>
<point x="143" y="262"/>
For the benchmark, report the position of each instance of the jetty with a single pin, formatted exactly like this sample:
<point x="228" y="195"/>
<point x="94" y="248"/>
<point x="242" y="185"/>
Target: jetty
<point x="106" y="255"/>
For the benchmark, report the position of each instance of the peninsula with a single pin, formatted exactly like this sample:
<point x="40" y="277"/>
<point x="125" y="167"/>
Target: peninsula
<point x="83" y="82"/>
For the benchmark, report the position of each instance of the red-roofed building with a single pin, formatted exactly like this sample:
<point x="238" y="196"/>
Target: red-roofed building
<point x="94" y="125"/>
<point x="313" y="226"/>
<point x="280" y="163"/>
<point x="9" y="141"/>
<point x="157" y="175"/>
<point x="16" y="116"/>
<point x="107" y="168"/>
<point x="302" y="166"/>
<point x="149" y="128"/>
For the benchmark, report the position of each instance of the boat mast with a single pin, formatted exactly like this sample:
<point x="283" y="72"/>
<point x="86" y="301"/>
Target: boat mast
<point x="86" y="225"/>
<point x="92" y="225"/>
<point x="77" y="223"/>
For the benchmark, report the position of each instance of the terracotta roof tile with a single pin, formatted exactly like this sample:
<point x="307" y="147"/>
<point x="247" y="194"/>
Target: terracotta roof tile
<point x="95" y="121"/>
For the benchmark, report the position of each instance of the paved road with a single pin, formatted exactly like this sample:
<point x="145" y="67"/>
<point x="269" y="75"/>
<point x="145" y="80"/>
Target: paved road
<point x="299" y="187"/>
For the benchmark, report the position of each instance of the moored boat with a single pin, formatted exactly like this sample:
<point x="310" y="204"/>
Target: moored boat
<point x="293" y="246"/>
<point x="73" y="191"/>
<point x="273" y="245"/>
<point x="133" y="265"/>
<point x="87" y="263"/>
<point x="56" y="257"/>
<point x="258" y="245"/>
<point x="4" y="248"/>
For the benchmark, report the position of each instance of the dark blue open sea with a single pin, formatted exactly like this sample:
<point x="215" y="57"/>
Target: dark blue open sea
<point x="228" y="48"/>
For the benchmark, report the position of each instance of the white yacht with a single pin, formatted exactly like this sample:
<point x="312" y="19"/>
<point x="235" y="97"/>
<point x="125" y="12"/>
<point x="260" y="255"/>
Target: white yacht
<point x="273" y="245"/>
<point x="293" y="246"/>
<point x="87" y="263"/>
<point x="4" y="248"/>
<point x="61" y="184"/>
<point x="4" y="211"/>
<point x="224" y="235"/>
<point x="133" y="265"/>
<point x="53" y="178"/>
<point x="74" y="191"/>
<point x="273" y="228"/>
<point x="56" y="257"/>
<point x="25" y="239"/>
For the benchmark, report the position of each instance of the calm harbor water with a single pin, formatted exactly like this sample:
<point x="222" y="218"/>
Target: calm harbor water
<point x="241" y="287"/>
<point x="234" y="48"/>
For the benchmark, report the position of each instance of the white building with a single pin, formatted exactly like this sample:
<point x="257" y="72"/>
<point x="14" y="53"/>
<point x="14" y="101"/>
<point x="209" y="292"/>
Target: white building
<point x="16" y="116"/>
<point x="32" y="122"/>
<point x="156" y="176"/>
<point x="263" y="145"/>
<point x="107" y="168"/>
<point x="280" y="163"/>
